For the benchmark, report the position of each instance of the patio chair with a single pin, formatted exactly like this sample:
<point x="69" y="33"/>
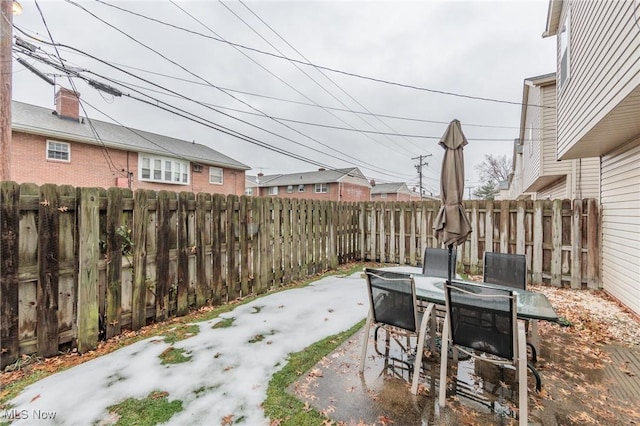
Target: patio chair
<point x="509" y="269"/>
<point x="506" y="269"/>
<point x="435" y="261"/>
<point x="394" y="311"/>
<point x="481" y="322"/>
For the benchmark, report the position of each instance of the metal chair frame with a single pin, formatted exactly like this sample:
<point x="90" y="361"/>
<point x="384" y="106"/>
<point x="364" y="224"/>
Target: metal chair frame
<point x="394" y="309"/>
<point x="481" y="321"/>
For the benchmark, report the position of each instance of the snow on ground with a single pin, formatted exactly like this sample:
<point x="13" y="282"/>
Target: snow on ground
<point x="227" y="375"/>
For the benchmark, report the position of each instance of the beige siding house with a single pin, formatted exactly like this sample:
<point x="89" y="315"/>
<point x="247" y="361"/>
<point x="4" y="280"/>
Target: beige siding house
<point x="598" y="110"/>
<point x="543" y="174"/>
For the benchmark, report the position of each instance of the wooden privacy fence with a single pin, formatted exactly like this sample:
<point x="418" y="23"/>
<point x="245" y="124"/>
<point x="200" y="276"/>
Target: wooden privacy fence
<point x="80" y="265"/>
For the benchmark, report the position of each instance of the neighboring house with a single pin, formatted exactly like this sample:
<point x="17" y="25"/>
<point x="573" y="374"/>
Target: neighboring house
<point x="396" y="191"/>
<point x="61" y="147"/>
<point x="598" y="110"/>
<point x="250" y="185"/>
<point x="334" y="185"/>
<point x="537" y="171"/>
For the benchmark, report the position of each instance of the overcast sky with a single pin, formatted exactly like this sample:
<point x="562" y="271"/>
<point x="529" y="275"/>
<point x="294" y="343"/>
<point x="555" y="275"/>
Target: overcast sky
<point x="373" y="61"/>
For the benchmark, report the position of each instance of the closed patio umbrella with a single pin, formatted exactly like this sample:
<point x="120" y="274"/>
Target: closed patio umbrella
<point x="452" y="225"/>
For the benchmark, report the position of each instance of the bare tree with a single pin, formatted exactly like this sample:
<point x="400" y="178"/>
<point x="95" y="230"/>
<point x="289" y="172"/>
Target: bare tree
<point x="494" y="169"/>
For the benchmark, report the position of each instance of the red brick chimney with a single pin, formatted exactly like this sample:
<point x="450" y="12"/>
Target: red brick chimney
<point x="372" y="182"/>
<point x="68" y="104"/>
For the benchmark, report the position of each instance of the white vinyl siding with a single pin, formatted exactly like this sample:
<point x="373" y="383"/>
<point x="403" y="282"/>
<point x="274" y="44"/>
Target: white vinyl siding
<point x="555" y="191"/>
<point x="58" y="151"/>
<point x="550" y="164"/>
<point x="586" y="178"/>
<point x="621" y="225"/>
<point x="605" y="45"/>
<point x="531" y="167"/>
<point x="216" y="175"/>
<point x="163" y="169"/>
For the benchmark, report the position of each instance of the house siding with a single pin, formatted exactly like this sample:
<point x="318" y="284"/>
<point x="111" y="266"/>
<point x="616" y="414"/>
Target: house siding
<point x="531" y="158"/>
<point x="555" y="191"/>
<point x="585" y="178"/>
<point x="621" y="225"/>
<point x="550" y="163"/>
<point x="604" y="70"/>
<point x="96" y="166"/>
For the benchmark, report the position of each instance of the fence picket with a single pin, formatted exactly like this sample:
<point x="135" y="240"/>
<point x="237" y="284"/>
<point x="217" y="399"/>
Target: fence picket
<point x="187" y="251"/>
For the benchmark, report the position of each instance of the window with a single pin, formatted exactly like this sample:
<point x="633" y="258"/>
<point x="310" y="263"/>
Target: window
<point x="289" y="189"/>
<point x="564" y="69"/>
<point x="300" y="188"/>
<point x="162" y="169"/>
<point x="216" y="175"/>
<point x="58" y="151"/>
<point x="248" y="191"/>
<point x="321" y="187"/>
<point x="273" y="190"/>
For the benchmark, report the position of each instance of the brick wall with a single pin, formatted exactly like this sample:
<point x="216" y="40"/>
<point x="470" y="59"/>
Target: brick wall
<point x="335" y="192"/>
<point x="95" y="166"/>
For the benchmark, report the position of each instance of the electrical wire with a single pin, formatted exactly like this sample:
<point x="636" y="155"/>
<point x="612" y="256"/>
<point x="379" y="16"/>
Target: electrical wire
<point x="201" y="120"/>
<point x="407" y="86"/>
<point x="201" y="78"/>
<point x="314" y="80"/>
<point x="105" y="151"/>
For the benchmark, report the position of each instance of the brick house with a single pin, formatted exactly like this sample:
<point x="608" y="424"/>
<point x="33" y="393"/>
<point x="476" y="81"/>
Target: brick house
<point x="331" y="185"/>
<point x="395" y="191"/>
<point x="63" y="148"/>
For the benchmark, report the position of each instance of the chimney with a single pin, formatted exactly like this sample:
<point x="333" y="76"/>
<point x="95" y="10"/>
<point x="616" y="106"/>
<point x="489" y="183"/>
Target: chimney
<point x="321" y="169"/>
<point x="372" y="182"/>
<point x="260" y="174"/>
<point x="68" y="104"/>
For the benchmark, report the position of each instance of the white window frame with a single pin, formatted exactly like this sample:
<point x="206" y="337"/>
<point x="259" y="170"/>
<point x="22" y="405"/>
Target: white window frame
<point x="321" y="188"/>
<point x="163" y="170"/>
<point x="564" y="64"/>
<point x="289" y="189"/>
<point x="248" y="191"/>
<point x="61" y="144"/>
<point x="273" y="190"/>
<point x="301" y="188"/>
<point x="216" y="180"/>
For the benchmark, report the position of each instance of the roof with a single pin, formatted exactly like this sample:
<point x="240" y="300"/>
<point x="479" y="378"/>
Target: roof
<point x="320" y="176"/>
<point x="45" y="122"/>
<point x="553" y="18"/>
<point x="390" y="188"/>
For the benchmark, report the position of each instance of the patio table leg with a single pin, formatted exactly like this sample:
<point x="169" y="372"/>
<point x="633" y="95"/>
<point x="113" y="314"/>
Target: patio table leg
<point x="365" y="341"/>
<point x="426" y="318"/>
<point x="534" y="338"/>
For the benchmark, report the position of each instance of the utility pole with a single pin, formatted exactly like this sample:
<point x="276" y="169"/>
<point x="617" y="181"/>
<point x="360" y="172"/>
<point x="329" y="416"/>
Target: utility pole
<point x="6" y="69"/>
<point x="419" y="166"/>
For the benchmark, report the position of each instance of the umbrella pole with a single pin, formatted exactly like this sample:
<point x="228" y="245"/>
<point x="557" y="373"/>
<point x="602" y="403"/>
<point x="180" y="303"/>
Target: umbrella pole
<point x="450" y="260"/>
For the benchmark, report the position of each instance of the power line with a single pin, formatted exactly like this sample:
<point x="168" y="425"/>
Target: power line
<point x="105" y="151"/>
<point x="324" y="75"/>
<point x="201" y="120"/>
<point x="244" y="92"/>
<point x="203" y="79"/>
<point x="378" y="80"/>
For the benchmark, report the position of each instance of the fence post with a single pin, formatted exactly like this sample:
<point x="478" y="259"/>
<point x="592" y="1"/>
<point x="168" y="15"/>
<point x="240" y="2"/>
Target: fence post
<point x="538" y="234"/>
<point x="556" y="242"/>
<point x="114" y="262"/>
<point x="593" y="253"/>
<point x="88" y="251"/>
<point x="9" y="283"/>
<point x="140" y="220"/>
<point x="576" y="245"/>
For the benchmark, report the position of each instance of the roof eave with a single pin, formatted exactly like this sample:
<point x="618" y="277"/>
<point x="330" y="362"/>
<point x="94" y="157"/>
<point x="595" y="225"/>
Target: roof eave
<point x="110" y="144"/>
<point x="553" y="18"/>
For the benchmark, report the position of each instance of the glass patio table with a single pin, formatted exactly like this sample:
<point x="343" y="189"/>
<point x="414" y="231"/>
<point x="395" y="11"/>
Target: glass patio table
<point x="532" y="305"/>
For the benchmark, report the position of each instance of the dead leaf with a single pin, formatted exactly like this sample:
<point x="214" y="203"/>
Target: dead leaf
<point x="227" y="420"/>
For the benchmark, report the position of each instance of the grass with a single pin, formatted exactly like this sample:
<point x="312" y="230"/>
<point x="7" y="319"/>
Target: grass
<point x="283" y="408"/>
<point x="173" y="355"/>
<point x="181" y="332"/>
<point x="152" y="410"/>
